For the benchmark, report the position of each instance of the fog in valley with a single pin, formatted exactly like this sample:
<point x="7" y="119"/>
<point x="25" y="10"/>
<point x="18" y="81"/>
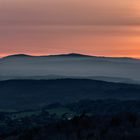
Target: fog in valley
<point x="70" y="66"/>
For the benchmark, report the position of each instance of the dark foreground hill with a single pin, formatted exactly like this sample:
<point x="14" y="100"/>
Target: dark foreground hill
<point x="29" y="94"/>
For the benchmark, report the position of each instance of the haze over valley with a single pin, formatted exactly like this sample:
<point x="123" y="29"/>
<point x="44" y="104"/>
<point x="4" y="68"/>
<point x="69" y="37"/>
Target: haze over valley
<point x="111" y="69"/>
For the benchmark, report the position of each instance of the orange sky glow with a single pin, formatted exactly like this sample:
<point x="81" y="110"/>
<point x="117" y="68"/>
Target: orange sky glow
<point x="44" y="27"/>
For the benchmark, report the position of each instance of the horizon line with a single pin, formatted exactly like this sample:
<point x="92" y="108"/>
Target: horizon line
<point x="57" y="54"/>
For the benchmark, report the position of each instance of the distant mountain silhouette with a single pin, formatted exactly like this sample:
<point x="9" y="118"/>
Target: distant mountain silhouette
<point x="69" y="55"/>
<point x="70" y="65"/>
<point x="17" y="55"/>
<point x="46" y="56"/>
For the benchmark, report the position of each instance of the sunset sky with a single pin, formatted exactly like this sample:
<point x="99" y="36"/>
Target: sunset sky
<point x="95" y="27"/>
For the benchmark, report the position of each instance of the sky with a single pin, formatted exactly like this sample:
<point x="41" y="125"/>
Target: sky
<point x="94" y="27"/>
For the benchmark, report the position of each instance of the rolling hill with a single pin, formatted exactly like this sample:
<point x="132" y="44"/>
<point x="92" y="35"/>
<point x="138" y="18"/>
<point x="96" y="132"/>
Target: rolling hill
<point x="29" y="94"/>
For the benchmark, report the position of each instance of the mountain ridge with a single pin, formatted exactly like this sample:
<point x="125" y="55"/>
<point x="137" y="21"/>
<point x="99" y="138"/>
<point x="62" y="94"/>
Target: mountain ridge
<point x="67" y="55"/>
<point x="70" y="65"/>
